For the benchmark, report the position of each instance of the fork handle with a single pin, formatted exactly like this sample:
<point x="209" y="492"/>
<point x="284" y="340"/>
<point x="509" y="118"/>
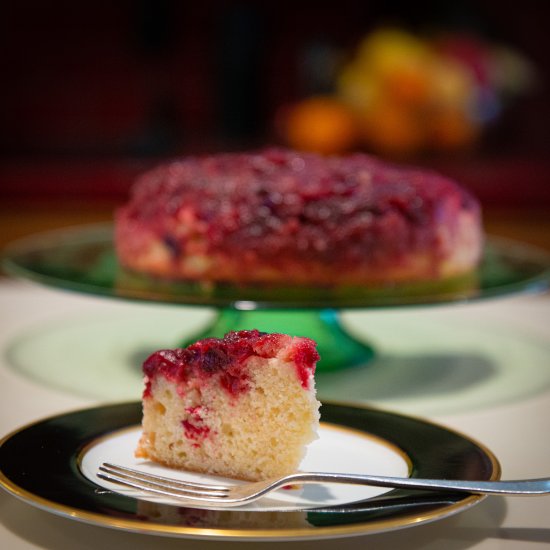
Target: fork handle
<point x="512" y="487"/>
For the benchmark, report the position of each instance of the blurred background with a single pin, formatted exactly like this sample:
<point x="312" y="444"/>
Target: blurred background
<point x="95" y="92"/>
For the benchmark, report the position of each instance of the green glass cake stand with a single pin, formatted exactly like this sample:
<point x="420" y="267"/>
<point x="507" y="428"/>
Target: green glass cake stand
<point x="82" y="259"/>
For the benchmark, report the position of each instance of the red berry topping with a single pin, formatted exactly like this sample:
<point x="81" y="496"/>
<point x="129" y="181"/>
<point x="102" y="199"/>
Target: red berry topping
<point x="226" y="358"/>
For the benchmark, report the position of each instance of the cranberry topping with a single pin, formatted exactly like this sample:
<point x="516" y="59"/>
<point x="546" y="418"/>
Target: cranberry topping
<point x="225" y="358"/>
<point x="169" y="362"/>
<point x="279" y="202"/>
<point x="305" y="357"/>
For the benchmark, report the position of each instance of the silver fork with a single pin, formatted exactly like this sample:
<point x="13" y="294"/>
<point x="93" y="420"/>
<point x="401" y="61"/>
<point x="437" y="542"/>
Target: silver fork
<point x="225" y="496"/>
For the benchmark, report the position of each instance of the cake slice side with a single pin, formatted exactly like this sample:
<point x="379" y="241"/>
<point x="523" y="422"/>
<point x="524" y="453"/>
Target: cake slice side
<point x="243" y="406"/>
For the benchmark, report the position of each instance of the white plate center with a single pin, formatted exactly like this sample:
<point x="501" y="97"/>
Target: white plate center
<point x="338" y="449"/>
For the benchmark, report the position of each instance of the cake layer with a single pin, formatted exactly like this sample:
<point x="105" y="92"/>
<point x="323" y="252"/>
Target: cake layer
<point x="283" y="216"/>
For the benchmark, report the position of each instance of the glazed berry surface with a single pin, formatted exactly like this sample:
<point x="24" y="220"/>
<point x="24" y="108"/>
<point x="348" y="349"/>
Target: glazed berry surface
<point x="280" y="203"/>
<point x="226" y="358"/>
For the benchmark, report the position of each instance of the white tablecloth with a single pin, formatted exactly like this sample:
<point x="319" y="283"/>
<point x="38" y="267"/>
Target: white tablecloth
<point x="482" y="369"/>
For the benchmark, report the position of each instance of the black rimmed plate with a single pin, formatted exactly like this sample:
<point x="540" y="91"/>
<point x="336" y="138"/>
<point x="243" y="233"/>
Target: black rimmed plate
<point x="43" y="465"/>
<point x="83" y="259"/>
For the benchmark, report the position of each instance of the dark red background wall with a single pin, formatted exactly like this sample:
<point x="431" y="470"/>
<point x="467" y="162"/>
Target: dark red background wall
<point x="93" y="91"/>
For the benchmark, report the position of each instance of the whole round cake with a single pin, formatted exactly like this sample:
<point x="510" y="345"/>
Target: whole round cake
<point x="297" y="218"/>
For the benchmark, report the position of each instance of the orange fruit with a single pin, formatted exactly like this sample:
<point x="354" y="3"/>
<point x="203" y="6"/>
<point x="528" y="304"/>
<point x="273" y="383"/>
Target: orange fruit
<point x="322" y="124"/>
<point x="410" y="85"/>
<point x="392" y="129"/>
<point x="451" y="128"/>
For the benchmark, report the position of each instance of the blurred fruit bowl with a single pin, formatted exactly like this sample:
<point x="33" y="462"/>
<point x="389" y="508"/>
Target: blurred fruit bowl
<point x="401" y="95"/>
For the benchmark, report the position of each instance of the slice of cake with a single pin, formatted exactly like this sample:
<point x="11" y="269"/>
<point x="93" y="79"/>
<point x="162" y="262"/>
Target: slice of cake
<point x="242" y="406"/>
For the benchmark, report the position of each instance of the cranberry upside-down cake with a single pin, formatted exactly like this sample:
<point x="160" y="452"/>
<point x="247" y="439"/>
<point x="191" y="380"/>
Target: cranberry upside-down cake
<point x="242" y="406"/>
<point x="279" y="216"/>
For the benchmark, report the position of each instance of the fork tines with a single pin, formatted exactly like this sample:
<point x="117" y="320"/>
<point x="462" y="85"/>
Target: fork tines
<point x="160" y="485"/>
